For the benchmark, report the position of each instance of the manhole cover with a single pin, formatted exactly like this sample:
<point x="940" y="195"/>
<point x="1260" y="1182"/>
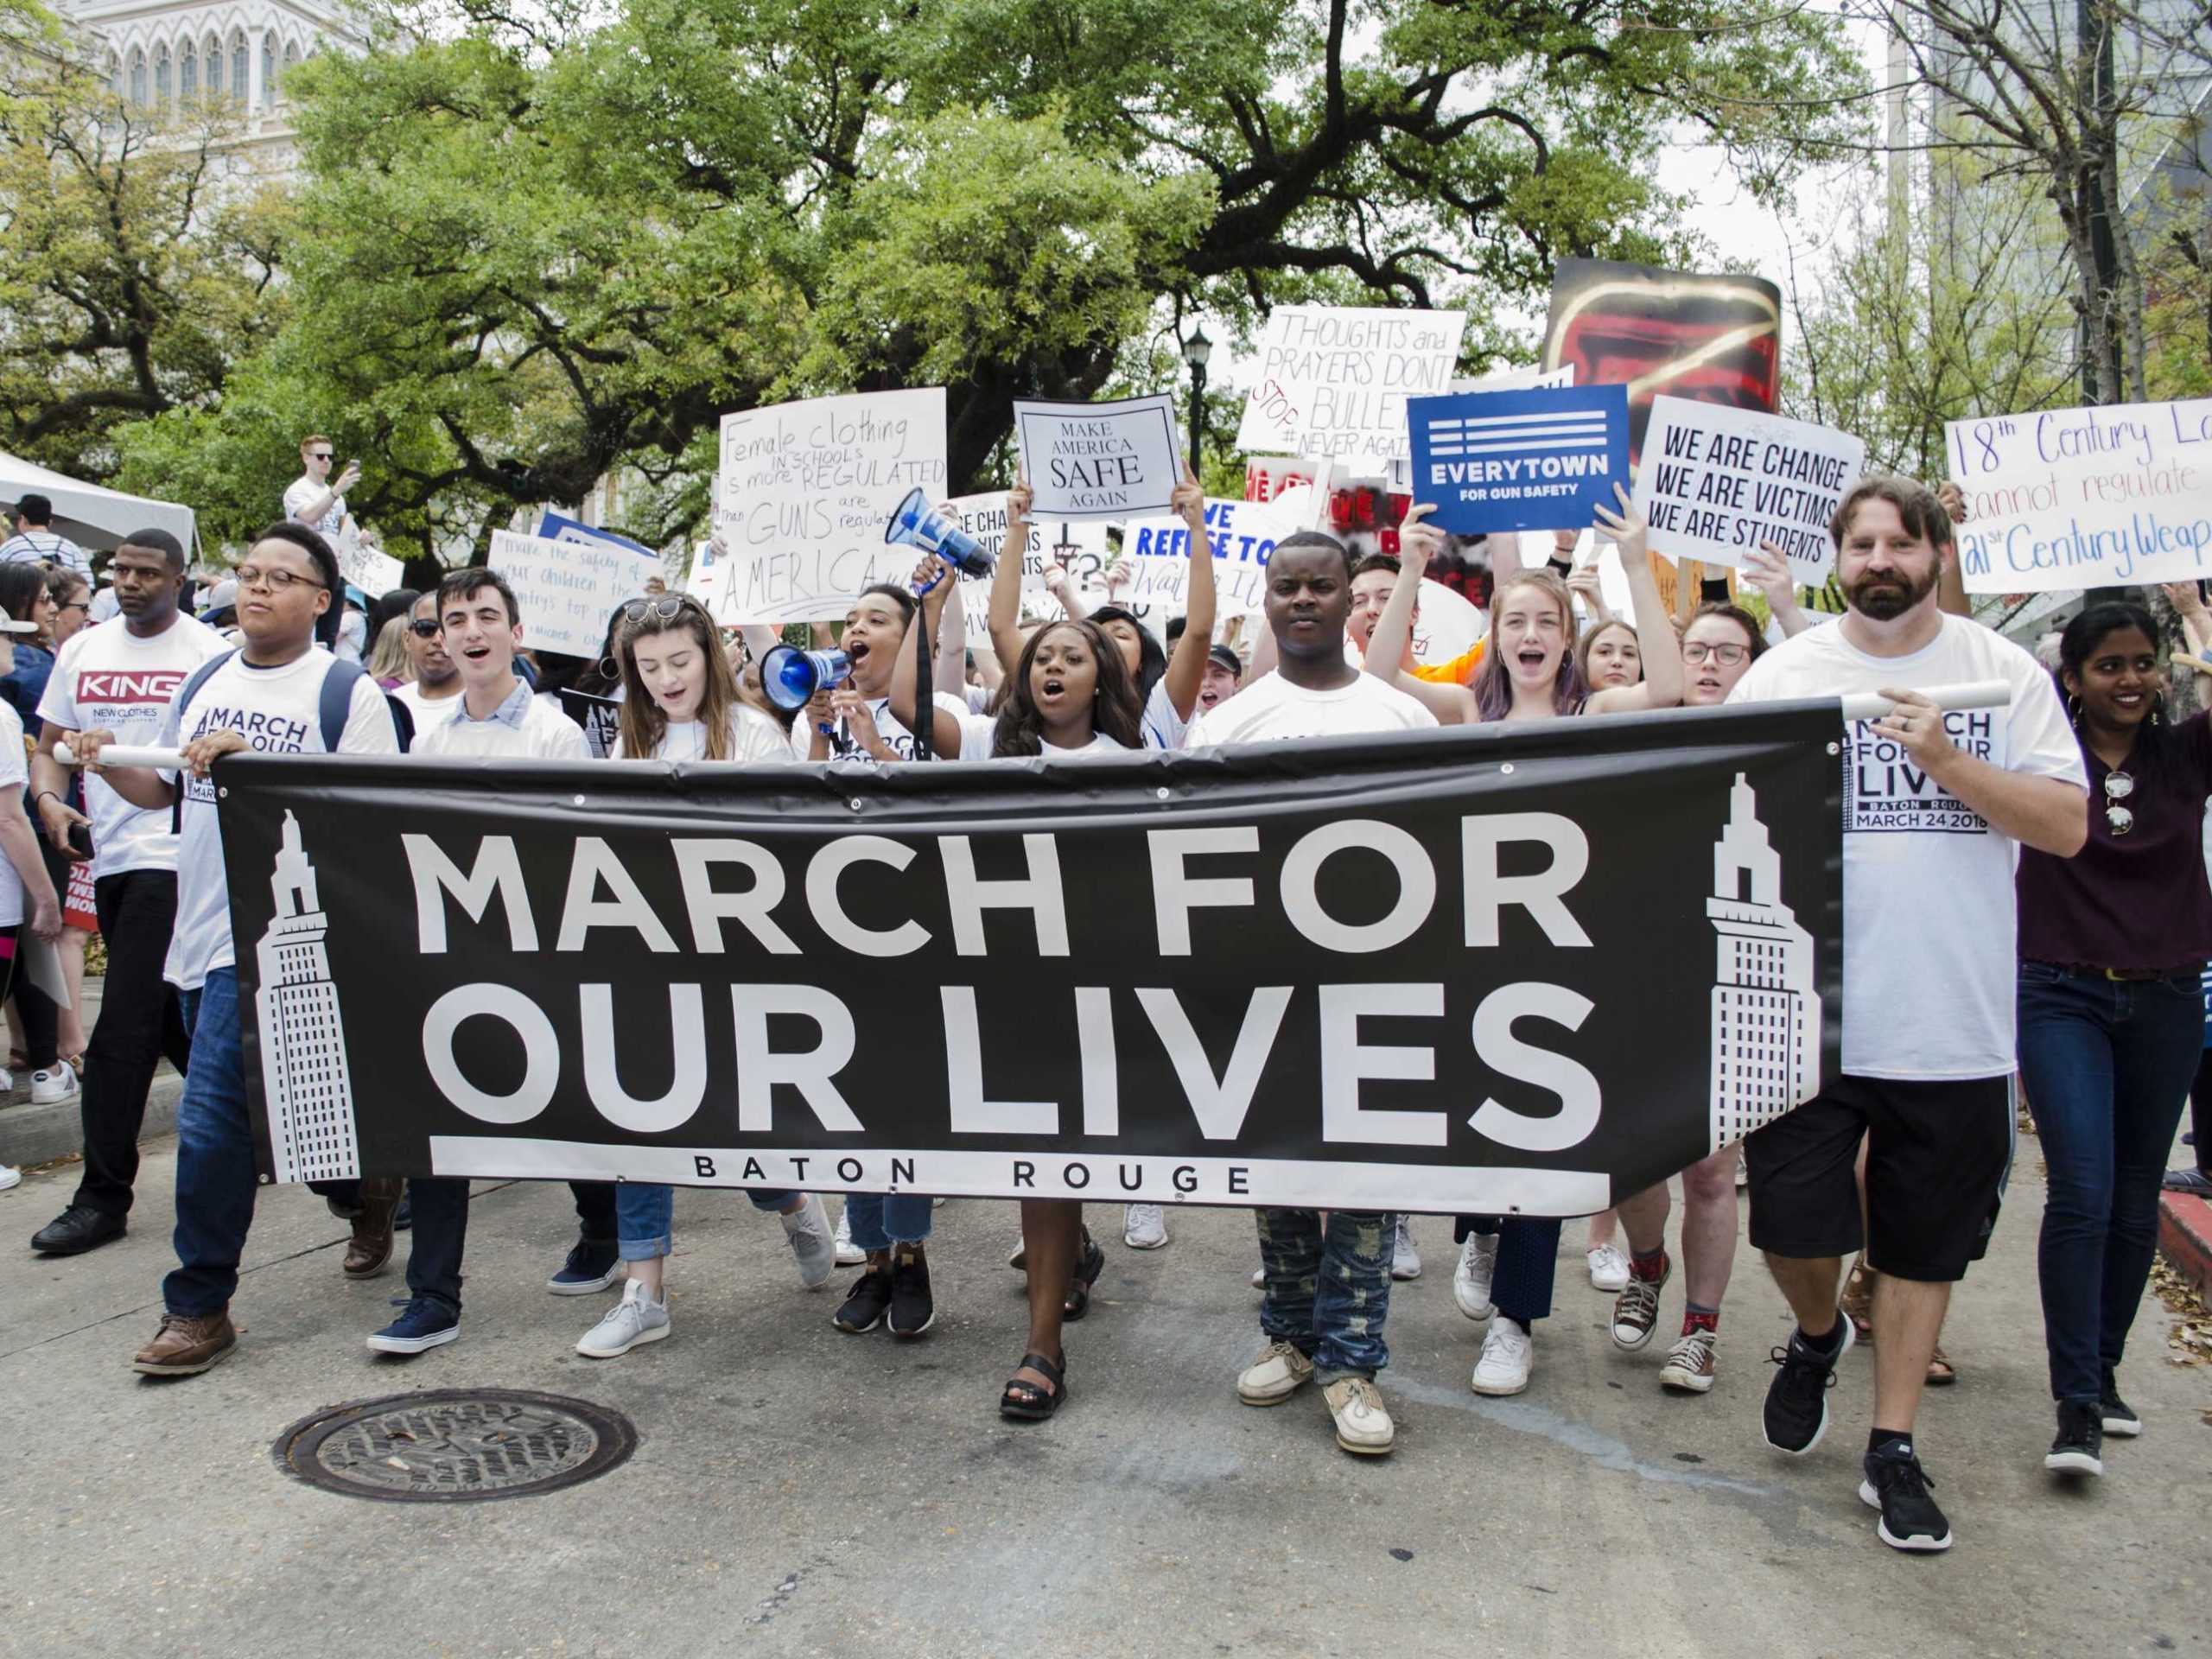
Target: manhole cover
<point x="452" y="1445"/>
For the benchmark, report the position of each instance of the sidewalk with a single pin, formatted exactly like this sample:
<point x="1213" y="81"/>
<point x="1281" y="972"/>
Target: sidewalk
<point x="30" y="1136"/>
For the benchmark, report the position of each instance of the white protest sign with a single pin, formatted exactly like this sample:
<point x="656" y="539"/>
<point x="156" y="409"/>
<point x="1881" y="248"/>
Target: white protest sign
<point x="1078" y="546"/>
<point x="806" y="491"/>
<point x="705" y="580"/>
<point x="1446" y="624"/>
<point x="1333" y="381"/>
<point x="1401" y="474"/>
<point x="1294" y="488"/>
<point x="566" y="591"/>
<point x="1113" y="461"/>
<point x="1714" y="482"/>
<point x="1156" y="552"/>
<point x="370" y="569"/>
<point x="2085" y="498"/>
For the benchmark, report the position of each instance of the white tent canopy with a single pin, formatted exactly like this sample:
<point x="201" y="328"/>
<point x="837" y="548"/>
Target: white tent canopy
<point x="93" y="518"/>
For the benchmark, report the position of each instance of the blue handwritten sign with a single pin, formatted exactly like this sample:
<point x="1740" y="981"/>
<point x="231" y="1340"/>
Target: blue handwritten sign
<point x="1536" y="459"/>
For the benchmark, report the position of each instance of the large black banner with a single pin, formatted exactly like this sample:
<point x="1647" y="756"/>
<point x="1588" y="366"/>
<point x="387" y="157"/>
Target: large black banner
<point x="1530" y="968"/>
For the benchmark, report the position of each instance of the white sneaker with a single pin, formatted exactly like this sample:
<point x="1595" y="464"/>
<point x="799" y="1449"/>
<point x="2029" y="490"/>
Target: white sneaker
<point x="1508" y="1354"/>
<point x="1259" y="1278"/>
<point x="53" y="1086"/>
<point x="1279" y="1372"/>
<point x="849" y="1254"/>
<point x="1144" y="1227"/>
<point x="1688" y="1369"/>
<point x="9" y="1175"/>
<point x="1608" y="1268"/>
<point x="1405" y="1260"/>
<point x="7" y="1081"/>
<point x="634" y="1319"/>
<point x="1363" y="1421"/>
<point x="1470" y="1278"/>
<point x="812" y="1243"/>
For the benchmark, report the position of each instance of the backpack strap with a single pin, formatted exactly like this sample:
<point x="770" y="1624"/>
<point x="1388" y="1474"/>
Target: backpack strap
<point x="338" y="701"/>
<point x="402" y="721"/>
<point x="189" y="689"/>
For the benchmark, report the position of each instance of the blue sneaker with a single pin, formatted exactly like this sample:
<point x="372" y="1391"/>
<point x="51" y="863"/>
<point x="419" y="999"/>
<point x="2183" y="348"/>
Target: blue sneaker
<point x="426" y="1322"/>
<point x="589" y="1267"/>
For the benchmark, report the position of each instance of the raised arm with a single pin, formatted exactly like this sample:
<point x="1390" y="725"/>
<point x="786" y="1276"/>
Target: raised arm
<point x="1769" y="571"/>
<point x="1386" y="646"/>
<point x="1186" y="669"/>
<point x="1950" y="581"/>
<point x="1004" y="618"/>
<point x="906" y="678"/>
<point x="2195" y="629"/>
<point x="1656" y="642"/>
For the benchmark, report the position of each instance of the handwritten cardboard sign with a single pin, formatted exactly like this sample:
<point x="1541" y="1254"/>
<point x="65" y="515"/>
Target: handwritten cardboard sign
<point x="1108" y="462"/>
<point x="1714" y="482"/>
<point x="566" y="591"/>
<point x="2085" y="498"/>
<point x="370" y="569"/>
<point x="806" y="489"/>
<point x="1333" y="381"/>
<point x="1242" y="536"/>
<point x="1537" y="459"/>
<point x="1077" y="546"/>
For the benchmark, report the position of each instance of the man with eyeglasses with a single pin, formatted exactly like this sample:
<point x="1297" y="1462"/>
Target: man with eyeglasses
<point x="118" y="677"/>
<point x="428" y="696"/>
<point x="495" y="715"/>
<point x="1934" y="803"/>
<point x="268" y="697"/>
<point x="311" y="497"/>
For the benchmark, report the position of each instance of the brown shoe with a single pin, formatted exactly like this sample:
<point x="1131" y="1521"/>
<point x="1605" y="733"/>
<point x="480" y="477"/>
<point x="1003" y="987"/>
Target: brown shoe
<point x="186" y="1347"/>
<point x="369" y="1251"/>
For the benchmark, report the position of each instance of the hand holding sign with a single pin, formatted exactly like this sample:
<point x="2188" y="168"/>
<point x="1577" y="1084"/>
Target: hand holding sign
<point x="1769" y="571"/>
<point x="1585" y="584"/>
<point x="1915" y="723"/>
<point x="1626" y="527"/>
<point x="1419" y="541"/>
<point x="1188" y="499"/>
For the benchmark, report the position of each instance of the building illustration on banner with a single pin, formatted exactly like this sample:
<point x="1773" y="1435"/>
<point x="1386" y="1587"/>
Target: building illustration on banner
<point x="306" y="1085"/>
<point x="1766" y="1003"/>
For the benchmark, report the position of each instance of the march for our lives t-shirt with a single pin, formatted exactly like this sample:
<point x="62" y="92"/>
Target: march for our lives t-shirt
<point x="107" y="678"/>
<point x="1928" y="919"/>
<point x="279" y="711"/>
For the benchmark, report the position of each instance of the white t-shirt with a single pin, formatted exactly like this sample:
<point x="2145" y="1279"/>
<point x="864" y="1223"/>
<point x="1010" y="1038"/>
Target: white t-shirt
<point x="280" y="712"/>
<point x="427" y="710"/>
<point x="14" y="771"/>
<point x="1163" y="727"/>
<point x="1928" y="924"/>
<point x="545" y="733"/>
<point x="107" y="677"/>
<point x="979" y="732"/>
<point x="754" y="738"/>
<point x="886" y="725"/>
<point x="1271" y="707"/>
<point x="302" y="490"/>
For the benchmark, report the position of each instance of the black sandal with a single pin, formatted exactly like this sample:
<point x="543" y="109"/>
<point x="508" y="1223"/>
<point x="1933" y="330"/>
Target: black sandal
<point x="1088" y="1267"/>
<point x="1025" y="1402"/>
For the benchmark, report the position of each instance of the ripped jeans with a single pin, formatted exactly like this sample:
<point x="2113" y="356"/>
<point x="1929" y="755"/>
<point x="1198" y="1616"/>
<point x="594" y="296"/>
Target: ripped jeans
<point x="1328" y="1288"/>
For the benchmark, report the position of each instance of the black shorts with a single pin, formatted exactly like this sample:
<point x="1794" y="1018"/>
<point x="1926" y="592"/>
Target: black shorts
<point x="1936" y="1156"/>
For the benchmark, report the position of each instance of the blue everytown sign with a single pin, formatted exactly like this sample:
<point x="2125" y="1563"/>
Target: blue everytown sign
<point x="1537" y="459"/>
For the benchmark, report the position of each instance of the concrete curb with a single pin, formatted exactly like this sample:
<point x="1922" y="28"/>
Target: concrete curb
<point x="38" y="1134"/>
<point x="2185" y="1237"/>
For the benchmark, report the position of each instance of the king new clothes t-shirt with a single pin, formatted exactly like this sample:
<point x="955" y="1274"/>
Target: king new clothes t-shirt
<point x="279" y="711"/>
<point x="108" y="679"/>
<point x="1928" y="919"/>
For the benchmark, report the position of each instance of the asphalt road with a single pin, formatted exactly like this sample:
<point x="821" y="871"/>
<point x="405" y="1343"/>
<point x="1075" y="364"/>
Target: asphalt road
<point x="800" y="1491"/>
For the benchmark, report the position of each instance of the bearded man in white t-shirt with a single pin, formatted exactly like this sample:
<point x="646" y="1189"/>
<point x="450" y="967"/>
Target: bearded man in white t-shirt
<point x="1325" y="1289"/>
<point x="1935" y="805"/>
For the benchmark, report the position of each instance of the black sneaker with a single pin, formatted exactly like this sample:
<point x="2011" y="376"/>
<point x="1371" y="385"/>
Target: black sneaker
<point x="912" y="1310"/>
<point x="2120" y="1417"/>
<point x="2079" y="1449"/>
<point x="868" y="1302"/>
<point x="1796" y="1414"/>
<point x="76" y="1230"/>
<point x="1896" y="1484"/>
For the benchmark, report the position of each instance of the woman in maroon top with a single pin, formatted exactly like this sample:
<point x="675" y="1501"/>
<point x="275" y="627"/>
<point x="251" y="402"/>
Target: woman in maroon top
<point x="2111" y="1016"/>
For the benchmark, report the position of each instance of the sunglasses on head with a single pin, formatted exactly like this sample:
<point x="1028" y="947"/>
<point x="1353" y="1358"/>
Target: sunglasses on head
<point x="667" y="608"/>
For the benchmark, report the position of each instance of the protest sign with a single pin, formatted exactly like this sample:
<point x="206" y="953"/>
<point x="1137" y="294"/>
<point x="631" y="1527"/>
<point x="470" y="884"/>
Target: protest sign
<point x="1295" y="489"/>
<point x="1501" y="460"/>
<point x="1381" y="972"/>
<point x="1114" y="460"/>
<point x="567" y="591"/>
<point x="805" y="490"/>
<point x="1157" y="554"/>
<point x="1401" y="474"/>
<point x="704" y="581"/>
<point x="1711" y="339"/>
<point x="1714" y="482"/>
<point x="369" y="568"/>
<point x="1333" y="381"/>
<point x="1077" y="546"/>
<point x="1446" y="624"/>
<point x="2085" y="498"/>
<point x="601" y="717"/>
<point x="559" y="527"/>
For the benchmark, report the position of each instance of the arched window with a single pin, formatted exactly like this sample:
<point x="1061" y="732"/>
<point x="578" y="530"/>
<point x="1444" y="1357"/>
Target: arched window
<point x="161" y="74"/>
<point x="138" y="76"/>
<point x="241" y="85"/>
<point x="187" y="74"/>
<point x="115" y="72"/>
<point x="268" y="70"/>
<point x="214" y="56"/>
<point x="291" y="57"/>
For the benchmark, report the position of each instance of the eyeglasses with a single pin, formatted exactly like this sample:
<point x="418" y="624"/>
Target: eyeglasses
<point x="2117" y="787"/>
<point x="425" y="627"/>
<point x="1696" y="651"/>
<point x="75" y="605"/>
<point x="668" y="607"/>
<point x="276" y="581"/>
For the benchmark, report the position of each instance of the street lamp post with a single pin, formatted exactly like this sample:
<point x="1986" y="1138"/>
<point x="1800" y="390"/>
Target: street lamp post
<point x="1195" y="350"/>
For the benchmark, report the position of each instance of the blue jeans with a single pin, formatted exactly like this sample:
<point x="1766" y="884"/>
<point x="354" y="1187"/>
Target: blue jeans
<point x="880" y="1220"/>
<point x="2107" y="1067"/>
<point x="216" y="1175"/>
<point x="1328" y="1291"/>
<point x="646" y="1214"/>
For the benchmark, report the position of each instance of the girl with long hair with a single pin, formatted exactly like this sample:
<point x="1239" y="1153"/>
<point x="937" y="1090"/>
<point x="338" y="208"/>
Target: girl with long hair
<point x="1607" y="654"/>
<point x="680" y="703"/>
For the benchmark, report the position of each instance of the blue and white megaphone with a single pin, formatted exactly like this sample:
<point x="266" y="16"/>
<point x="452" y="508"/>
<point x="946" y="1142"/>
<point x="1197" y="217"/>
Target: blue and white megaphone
<point x="791" y="677"/>
<point x="915" y="523"/>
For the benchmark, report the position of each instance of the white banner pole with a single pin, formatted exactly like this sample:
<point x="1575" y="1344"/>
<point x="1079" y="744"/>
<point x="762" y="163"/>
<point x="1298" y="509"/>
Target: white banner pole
<point x="1977" y="693"/>
<point x="117" y="755"/>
